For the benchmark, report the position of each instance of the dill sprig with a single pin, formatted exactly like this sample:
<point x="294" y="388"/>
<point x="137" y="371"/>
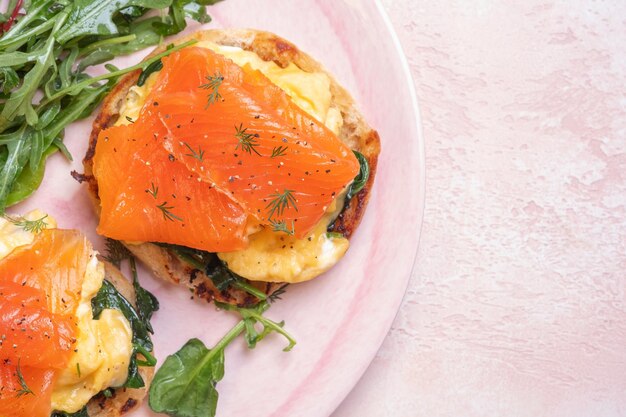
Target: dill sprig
<point x="281" y="226"/>
<point x="199" y="155"/>
<point x="33" y="226"/>
<point x="153" y="190"/>
<point x="213" y="84"/>
<point x="276" y="295"/>
<point x="247" y="141"/>
<point x="278" y="151"/>
<point x="116" y="252"/>
<point x="280" y="202"/>
<point x="25" y="390"/>
<point x="167" y="214"/>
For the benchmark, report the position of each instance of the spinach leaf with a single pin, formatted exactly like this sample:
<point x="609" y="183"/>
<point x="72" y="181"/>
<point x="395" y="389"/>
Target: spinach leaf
<point x="357" y="185"/>
<point x="146" y="302"/>
<point x="80" y="413"/>
<point x="185" y="385"/>
<point x="222" y="277"/>
<point x="361" y="179"/>
<point x="109" y="297"/>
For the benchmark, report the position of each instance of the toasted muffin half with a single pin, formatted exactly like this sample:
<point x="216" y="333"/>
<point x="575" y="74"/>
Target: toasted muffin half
<point x="355" y="132"/>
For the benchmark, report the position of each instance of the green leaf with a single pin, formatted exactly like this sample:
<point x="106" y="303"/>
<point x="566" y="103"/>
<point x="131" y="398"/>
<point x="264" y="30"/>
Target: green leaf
<point x="150" y="69"/>
<point x="146" y="302"/>
<point x="20" y="101"/>
<point x="8" y="79"/>
<point x="81" y="413"/>
<point x="108" y="297"/>
<point x="185" y="385"/>
<point x="17" y="158"/>
<point x="95" y="17"/>
<point x="28" y="181"/>
<point x="361" y="179"/>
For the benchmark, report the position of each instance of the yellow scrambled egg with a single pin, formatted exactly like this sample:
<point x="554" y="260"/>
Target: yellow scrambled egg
<point x="272" y="256"/>
<point x="103" y="347"/>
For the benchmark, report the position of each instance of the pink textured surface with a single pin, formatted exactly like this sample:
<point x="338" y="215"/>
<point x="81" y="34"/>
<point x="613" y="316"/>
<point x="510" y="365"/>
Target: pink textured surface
<point x="517" y="304"/>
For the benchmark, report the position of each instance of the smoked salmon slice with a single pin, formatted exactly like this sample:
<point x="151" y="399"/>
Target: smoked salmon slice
<point x="15" y="401"/>
<point x="161" y="200"/>
<point x="31" y="333"/>
<point x="55" y="263"/>
<point x="40" y="287"/>
<point x="234" y="132"/>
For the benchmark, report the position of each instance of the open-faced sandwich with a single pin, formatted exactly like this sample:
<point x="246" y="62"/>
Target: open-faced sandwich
<point x="72" y="341"/>
<point x="234" y="166"/>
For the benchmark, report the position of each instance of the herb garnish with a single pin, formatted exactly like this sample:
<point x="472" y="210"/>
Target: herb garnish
<point x="185" y="385"/>
<point x="46" y="48"/>
<point x="281" y="226"/>
<point x="280" y="202"/>
<point x="199" y="155"/>
<point x="25" y="390"/>
<point x="116" y="252"/>
<point x="214" y="83"/>
<point x="167" y="214"/>
<point x="33" y="226"/>
<point x="247" y="141"/>
<point x="153" y="190"/>
<point x="279" y="151"/>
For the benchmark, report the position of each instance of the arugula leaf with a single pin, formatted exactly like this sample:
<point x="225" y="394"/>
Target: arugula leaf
<point x="95" y="17"/>
<point x="185" y="385"/>
<point x="8" y="79"/>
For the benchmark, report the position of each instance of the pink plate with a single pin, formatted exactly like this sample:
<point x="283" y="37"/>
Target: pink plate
<point x="340" y="319"/>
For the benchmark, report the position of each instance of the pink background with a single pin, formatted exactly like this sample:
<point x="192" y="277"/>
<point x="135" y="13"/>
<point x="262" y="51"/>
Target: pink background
<point x="517" y="303"/>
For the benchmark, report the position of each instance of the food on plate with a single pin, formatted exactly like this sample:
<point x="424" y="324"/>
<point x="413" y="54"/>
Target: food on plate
<point x="235" y="166"/>
<point x="48" y="49"/>
<point x="74" y="333"/>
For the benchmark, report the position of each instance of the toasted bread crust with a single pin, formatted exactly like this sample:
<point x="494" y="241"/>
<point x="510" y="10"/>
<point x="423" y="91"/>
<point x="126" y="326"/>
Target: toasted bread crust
<point x="123" y="400"/>
<point x="355" y="132"/>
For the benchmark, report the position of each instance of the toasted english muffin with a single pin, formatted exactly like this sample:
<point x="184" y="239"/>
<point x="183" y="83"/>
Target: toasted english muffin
<point x="355" y="132"/>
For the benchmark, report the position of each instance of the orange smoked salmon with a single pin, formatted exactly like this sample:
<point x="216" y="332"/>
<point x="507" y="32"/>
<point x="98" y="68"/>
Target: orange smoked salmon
<point x="214" y="131"/>
<point x="40" y="287"/>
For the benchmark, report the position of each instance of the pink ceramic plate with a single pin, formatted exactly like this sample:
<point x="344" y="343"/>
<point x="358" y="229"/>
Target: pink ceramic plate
<point x="339" y="319"/>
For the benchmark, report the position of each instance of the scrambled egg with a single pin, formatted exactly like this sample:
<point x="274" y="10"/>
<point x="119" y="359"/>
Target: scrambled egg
<point x="103" y="347"/>
<point x="273" y="256"/>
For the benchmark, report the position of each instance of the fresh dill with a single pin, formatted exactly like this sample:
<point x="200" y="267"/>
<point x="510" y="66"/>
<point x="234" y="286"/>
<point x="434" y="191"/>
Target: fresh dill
<point x="276" y="295"/>
<point x="280" y="202"/>
<point x="278" y="151"/>
<point x="281" y="226"/>
<point x="167" y="214"/>
<point x="33" y="226"/>
<point x="213" y="84"/>
<point x="116" y="252"/>
<point x="25" y="390"/>
<point x="247" y="141"/>
<point x="153" y="190"/>
<point x="199" y="155"/>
